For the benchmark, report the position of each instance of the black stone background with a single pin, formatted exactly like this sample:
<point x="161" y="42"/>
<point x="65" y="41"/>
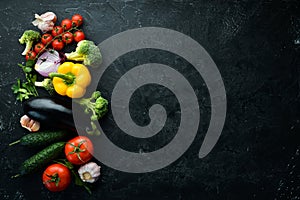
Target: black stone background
<point x="253" y="45"/>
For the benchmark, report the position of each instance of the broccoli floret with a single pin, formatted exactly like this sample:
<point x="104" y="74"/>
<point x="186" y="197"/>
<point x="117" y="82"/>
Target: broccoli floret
<point x="28" y="38"/>
<point x="86" y="52"/>
<point x="47" y="84"/>
<point x="96" y="105"/>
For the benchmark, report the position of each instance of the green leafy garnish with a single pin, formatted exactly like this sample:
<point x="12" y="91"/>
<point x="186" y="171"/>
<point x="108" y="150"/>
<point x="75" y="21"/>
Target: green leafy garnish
<point x="24" y="90"/>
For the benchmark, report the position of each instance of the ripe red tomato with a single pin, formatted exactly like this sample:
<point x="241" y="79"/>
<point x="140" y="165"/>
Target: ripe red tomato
<point x="66" y="24"/>
<point x="39" y="47"/>
<point x="78" y="36"/>
<point x="79" y="150"/>
<point x="57" y="30"/>
<point x="58" y="44"/>
<point x="77" y="20"/>
<point x="67" y="37"/>
<point x="46" y="38"/>
<point x="56" y="177"/>
<point x="30" y="55"/>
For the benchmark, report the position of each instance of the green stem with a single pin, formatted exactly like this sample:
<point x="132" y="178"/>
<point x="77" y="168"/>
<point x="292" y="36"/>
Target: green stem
<point x="13" y="143"/>
<point x="68" y="78"/>
<point x="73" y="28"/>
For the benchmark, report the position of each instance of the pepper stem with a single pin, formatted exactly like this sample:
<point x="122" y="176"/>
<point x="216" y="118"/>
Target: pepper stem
<point x="68" y="78"/>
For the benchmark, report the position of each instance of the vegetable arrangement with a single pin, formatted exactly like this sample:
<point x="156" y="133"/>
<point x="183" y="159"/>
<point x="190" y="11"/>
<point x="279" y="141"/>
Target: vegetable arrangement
<point x="64" y="156"/>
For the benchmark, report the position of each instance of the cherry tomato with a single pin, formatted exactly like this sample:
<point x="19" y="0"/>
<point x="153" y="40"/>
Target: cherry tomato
<point x="58" y="44"/>
<point x="77" y="20"/>
<point x="46" y="38"/>
<point x="67" y="37"/>
<point x="39" y="47"/>
<point x="79" y="150"/>
<point x="78" y="36"/>
<point x="30" y="55"/>
<point x="57" y="30"/>
<point x="56" y="177"/>
<point x="66" y="24"/>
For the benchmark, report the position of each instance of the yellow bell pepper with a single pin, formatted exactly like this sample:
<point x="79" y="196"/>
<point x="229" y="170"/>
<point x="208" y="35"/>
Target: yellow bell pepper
<point x="71" y="79"/>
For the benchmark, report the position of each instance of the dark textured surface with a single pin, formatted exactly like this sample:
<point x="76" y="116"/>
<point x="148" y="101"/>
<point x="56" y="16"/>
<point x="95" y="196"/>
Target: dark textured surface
<point x="254" y="46"/>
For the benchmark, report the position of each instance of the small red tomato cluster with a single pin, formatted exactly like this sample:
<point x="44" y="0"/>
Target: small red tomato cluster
<point x="78" y="151"/>
<point x="61" y="35"/>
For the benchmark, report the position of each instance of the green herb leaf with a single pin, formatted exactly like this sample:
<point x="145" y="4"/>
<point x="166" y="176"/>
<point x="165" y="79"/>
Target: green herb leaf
<point x="30" y="63"/>
<point x="27" y="69"/>
<point x="24" y="90"/>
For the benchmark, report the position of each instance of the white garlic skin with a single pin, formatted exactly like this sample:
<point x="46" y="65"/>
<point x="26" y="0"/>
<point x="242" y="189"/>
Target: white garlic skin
<point x="29" y="124"/>
<point x="89" y="172"/>
<point x="45" y="22"/>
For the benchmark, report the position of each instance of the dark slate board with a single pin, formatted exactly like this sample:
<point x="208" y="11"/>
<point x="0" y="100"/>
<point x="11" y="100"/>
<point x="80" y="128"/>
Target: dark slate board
<point x="254" y="44"/>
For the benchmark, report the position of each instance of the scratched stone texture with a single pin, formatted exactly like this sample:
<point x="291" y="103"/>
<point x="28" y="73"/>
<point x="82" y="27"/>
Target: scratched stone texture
<point x="255" y="45"/>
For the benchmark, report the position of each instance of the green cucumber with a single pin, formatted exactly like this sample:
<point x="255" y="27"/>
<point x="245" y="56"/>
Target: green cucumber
<point x="41" y="138"/>
<point x="42" y="158"/>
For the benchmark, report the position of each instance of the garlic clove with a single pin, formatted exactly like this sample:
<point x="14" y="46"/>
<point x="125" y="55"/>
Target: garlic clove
<point x="30" y="124"/>
<point x="35" y="127"/>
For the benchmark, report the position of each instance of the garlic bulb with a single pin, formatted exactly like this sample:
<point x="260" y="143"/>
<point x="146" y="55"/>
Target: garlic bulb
<point x="45" y="22"/>
<point x="89" y="172"/>
<point x="29" y="124"/>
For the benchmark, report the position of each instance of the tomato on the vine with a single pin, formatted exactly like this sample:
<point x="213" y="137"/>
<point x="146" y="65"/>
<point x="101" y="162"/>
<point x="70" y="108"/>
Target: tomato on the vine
<point x="78" y="36"/>
<point x="66" y="24"/>
<point x="56" y="177"/>
<point x="46" y="38"/>
<point x="58" y="44"/>
<point x="57" y="30"/>
<point x="67" y="37"/>
<point x="77" y="20"/>
<point x="30" y="55"/>
<point x="39" y="47"/>
<point x="79" y="150"/>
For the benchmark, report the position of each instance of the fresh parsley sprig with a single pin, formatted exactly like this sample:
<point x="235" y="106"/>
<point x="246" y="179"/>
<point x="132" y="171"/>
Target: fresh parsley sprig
<point x="24" y="90"/>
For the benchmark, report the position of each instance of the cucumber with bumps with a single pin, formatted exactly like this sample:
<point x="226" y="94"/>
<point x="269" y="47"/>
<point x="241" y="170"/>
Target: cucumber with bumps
<point x="41" y="138"/>
<point x="42" y="158"/>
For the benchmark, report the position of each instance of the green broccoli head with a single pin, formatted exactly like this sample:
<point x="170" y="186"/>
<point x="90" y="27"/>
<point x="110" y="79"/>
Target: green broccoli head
<point x="96" y="95"/>
<point x="94" y="57"/>
<point x="28" y="38"/>
<point x="47" y="84"/>
<point x="83" y="47"/>
<point x="101" y="106"/>
<point x="96" y="105"/>
<point x="87" y="52"/>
